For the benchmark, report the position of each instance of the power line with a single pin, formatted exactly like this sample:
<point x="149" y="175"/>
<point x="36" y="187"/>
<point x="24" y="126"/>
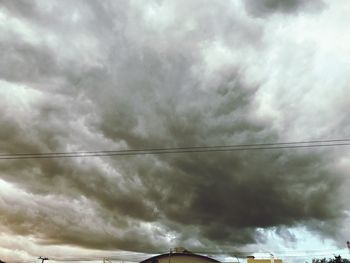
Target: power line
<point x="130" y="256"/>
<point x="179" y="150"/>
<point x="136" y="257"/>
<point x="244" y="252"/>
<point x="187" y="148"/>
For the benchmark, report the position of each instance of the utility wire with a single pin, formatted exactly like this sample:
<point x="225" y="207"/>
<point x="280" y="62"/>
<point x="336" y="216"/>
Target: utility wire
<point x="137" y="257"/>
<point x="243" y="252"/>
<point x="185" y="148"/>
<point x="174" y="150"/>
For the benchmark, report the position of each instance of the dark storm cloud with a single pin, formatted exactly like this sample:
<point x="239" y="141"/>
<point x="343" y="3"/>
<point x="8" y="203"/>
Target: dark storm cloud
<point x="263" y="8"/>
<point x="120" y="82"/>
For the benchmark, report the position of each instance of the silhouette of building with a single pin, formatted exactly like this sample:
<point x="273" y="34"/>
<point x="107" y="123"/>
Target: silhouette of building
<point x="180" y="255"/>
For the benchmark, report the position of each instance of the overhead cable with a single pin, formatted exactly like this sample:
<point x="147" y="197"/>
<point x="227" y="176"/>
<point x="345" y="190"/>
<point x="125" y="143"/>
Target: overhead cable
<point x="179" y="150"/>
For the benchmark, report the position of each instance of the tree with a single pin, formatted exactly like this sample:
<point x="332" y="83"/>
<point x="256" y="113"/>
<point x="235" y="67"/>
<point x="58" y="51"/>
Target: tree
<point x="336" y="259"/>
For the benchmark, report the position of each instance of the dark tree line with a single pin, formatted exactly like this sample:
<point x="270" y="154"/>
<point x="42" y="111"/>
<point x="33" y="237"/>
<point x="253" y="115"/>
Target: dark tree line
<point x="336" y="259"/>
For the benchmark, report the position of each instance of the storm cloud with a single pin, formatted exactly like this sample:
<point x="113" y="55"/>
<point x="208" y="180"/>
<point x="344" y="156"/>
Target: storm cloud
<point x="87" y="75"/>
<point x="268" y="7"/>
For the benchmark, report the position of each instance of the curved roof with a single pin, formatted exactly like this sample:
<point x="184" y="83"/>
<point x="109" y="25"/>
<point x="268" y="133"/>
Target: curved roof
<point x="175" y="254"/>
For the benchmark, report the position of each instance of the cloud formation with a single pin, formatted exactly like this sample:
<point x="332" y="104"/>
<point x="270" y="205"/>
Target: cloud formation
<point x="268" y="7"/>
<point x="87" y="76"/>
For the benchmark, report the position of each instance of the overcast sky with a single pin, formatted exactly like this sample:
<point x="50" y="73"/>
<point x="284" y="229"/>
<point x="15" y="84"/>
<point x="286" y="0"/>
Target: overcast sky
<point x="89" y="75"/>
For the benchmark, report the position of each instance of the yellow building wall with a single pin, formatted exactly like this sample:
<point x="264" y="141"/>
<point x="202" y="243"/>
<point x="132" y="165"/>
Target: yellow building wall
<point x="253" y="260"/>
<point x="183" y="259"/>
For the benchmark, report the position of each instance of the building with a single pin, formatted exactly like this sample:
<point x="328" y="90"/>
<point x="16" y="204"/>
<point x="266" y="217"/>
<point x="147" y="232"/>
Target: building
<point x="180" y="256"/>
<point x="251" y="259"/>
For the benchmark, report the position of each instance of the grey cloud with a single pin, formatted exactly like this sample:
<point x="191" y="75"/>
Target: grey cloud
<point x="263" y="8"/>
<point x="144" y="89"/>
<point x="286" y="235"/>
<point x="73" y="222"/>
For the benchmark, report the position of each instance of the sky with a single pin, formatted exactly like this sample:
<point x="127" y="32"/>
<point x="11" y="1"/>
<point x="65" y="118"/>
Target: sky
<point x="87" y="75"/>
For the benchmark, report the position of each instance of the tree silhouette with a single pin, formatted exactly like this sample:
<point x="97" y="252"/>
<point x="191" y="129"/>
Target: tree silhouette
<point x="336" y="259"/>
